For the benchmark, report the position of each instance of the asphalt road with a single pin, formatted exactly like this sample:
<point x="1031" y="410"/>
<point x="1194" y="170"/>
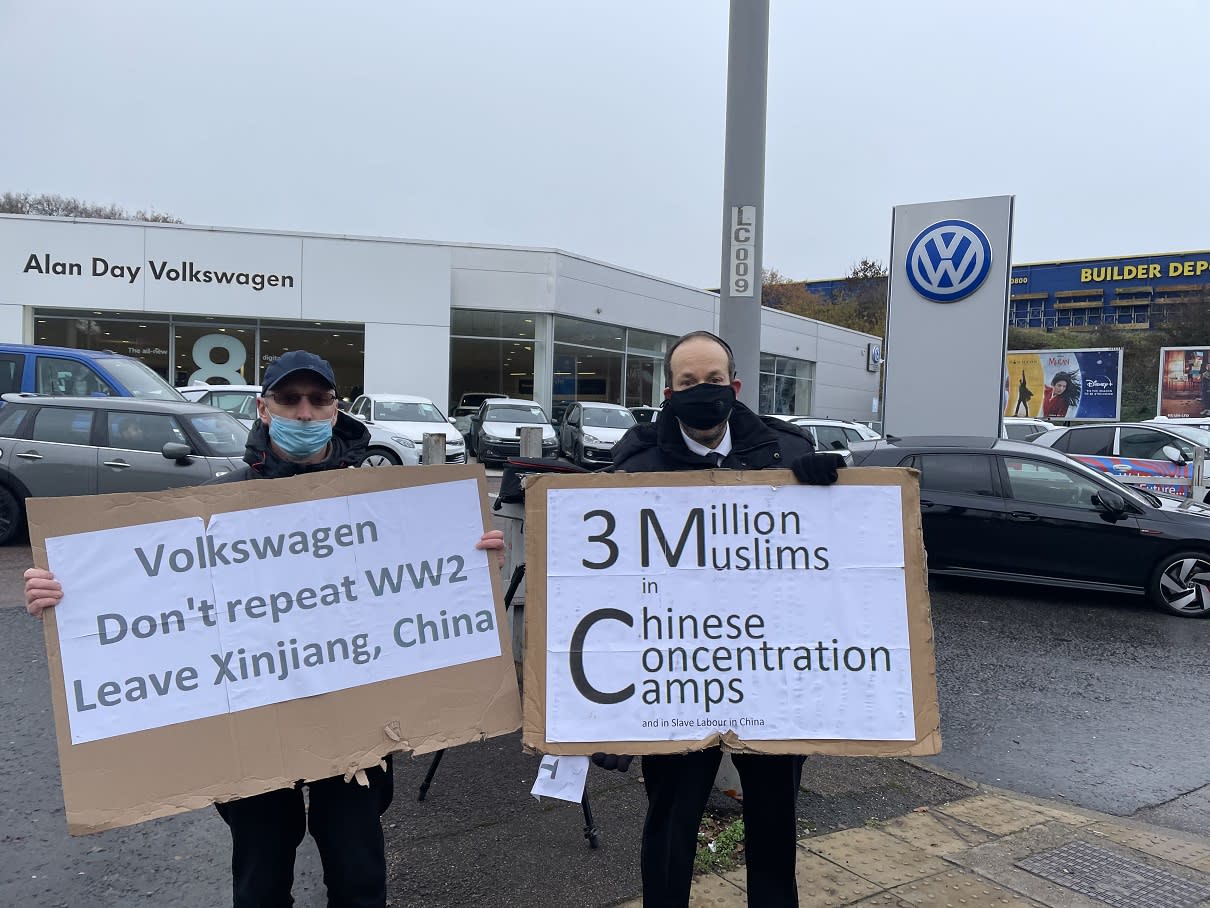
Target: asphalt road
<point x="1092" y="699"/>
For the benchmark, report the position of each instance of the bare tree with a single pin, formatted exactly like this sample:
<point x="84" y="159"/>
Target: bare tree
<point x="859" y="303"/>
<point x="65" y="207"/>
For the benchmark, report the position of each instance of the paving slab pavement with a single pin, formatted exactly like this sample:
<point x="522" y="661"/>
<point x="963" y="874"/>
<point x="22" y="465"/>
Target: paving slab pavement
<point x="991" y="847"/>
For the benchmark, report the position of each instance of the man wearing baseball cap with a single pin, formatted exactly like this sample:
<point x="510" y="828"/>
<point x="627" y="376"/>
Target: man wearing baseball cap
<point x="300" y="430"/>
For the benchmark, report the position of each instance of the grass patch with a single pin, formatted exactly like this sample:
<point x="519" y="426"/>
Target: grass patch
<point x="720" y="845"/>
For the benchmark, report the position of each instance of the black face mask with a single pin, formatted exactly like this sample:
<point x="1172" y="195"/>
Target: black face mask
<point x="703" y="406"/>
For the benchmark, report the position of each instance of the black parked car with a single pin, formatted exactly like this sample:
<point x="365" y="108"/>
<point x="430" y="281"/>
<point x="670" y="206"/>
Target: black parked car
<point x="1009" y="510"/>
<point x="496" y="429"/>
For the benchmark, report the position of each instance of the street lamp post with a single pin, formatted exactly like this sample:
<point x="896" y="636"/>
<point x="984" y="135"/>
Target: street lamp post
<point x="744" y="190"/>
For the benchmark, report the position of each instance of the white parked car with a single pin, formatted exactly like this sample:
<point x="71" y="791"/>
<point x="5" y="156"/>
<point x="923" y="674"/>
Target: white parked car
<point x="238" y="400"/>
<point x="832" y="434"/>
<point x="406" y="419"/>
<point x="1023" y="428"/>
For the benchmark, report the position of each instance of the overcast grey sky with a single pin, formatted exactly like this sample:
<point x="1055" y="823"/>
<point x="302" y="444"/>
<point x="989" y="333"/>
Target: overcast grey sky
<point x="597" y="127"/>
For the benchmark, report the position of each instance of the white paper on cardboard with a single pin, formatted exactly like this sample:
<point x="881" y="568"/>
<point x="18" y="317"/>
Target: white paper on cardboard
<point x="562" y="778"/>
<point x="174" y="621"/>
<point x="677" y="612"/>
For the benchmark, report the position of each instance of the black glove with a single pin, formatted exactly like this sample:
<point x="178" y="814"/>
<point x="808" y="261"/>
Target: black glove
<point x="818" y="469"/>
<point x="618" y="762"/>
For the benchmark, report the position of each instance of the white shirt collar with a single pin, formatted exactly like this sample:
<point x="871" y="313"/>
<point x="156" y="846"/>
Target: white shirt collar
<point x="723" y="448"/>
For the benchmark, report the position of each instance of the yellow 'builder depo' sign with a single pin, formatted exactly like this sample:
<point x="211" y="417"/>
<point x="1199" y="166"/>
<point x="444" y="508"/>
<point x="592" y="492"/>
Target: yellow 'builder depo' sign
<point x="1143" y="272"/>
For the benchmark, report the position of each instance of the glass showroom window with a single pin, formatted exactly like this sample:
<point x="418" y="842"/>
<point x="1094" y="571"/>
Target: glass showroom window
<point x="786" y="385"/>
<point x="501" y="325"/>
<point x="588" y="361"/>
<point x="204" y="349"/>
<point x="645" y="367"/>
<point x="493" y="352"/>
<point x="146" y="338"/>
<point x="644" y="380"/>
<point x="214" y="351"/>
<point x="496" y="366"/>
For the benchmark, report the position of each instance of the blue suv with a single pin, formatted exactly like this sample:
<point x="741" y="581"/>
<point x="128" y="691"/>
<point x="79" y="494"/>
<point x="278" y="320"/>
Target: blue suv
<point x="67" y="372"/>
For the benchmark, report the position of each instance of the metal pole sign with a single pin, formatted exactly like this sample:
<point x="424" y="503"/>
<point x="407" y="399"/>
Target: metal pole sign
<point x="947" y="317"/>
<point x="743" y="250"/>
<point x="744" y="191"/>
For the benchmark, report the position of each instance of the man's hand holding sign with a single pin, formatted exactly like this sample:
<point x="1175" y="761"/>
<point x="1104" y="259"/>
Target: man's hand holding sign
<point x="229" y="644"/>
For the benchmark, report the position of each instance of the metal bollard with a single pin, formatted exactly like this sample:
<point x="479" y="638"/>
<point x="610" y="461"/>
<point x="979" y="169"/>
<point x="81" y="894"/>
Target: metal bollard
<point x="531" y="441"/>
<point x="433" y="451"/>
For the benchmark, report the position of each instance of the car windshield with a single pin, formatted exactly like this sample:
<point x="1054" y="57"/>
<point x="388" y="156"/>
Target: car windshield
<point x="400" y="411"/>
<point x="224" y="435"/>
<point x="1193" y="434"/>
<point x="608" y="418"/>
<point x="515" y="413"/>
<point x="826" y="436"/>
<point x="140" y="379"/>
<point x="1023" y="430"/>
<point x="240" y="404"/>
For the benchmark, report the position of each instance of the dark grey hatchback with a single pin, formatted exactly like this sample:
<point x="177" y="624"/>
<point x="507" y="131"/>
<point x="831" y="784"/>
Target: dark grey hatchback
<point x="54" y="446"/>
<point x="1008" y="510"/>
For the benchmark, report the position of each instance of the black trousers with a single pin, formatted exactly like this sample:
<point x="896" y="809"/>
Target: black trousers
<point x="677" y="789"/>
<point x="345" y="821"/>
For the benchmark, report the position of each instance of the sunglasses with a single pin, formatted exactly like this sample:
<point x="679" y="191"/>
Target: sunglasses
<point x="317" y="399"/>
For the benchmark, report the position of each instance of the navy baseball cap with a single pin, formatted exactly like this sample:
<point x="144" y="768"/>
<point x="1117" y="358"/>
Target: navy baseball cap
<point x="297" y="361"/>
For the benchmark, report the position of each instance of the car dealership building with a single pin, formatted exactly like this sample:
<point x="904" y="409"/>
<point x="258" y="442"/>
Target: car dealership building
<point x="202" y="304"/>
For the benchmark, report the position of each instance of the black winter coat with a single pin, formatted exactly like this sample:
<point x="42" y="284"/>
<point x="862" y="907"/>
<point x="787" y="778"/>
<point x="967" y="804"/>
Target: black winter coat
<point x="757" y="443"/>
<point x="350" y="438"/>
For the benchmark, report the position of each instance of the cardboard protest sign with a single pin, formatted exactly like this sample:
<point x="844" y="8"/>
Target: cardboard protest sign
<point x="668" y="612"/>
<point x="221" y="641"/>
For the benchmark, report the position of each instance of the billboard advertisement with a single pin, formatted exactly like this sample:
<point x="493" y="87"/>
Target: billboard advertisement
<point x="1184" y="386"/>
<point x="1078" y="385"/>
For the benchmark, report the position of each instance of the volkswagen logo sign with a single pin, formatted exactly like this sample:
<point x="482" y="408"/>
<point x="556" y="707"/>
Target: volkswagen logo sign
<point x="948" y="261"/>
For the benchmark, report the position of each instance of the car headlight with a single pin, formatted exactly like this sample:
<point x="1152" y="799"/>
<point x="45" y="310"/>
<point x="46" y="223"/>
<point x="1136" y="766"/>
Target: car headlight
<point x="453" y="442"/>
<point x="491" y="439"/>
<point x="591" y="440"/>
<point x="403" y="442"/>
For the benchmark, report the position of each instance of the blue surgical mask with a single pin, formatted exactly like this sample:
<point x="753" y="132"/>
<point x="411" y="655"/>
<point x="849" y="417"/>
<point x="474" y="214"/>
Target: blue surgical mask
<point x="300" y="438"/>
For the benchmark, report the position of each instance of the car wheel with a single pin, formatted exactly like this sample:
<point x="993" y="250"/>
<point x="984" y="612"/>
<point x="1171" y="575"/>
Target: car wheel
<point x="11" y="517"/>
<point x="1180" y="584"/>
<point x="381" y="457"/>
<point x="483" y="460"/>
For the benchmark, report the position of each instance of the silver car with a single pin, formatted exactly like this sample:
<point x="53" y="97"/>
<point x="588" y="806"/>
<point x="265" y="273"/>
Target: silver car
<point x="54" y="446"/>
<point x="590" y="430"/>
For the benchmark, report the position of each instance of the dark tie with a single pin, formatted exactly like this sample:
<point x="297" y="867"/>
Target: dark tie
<point x="718" y="458"/>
